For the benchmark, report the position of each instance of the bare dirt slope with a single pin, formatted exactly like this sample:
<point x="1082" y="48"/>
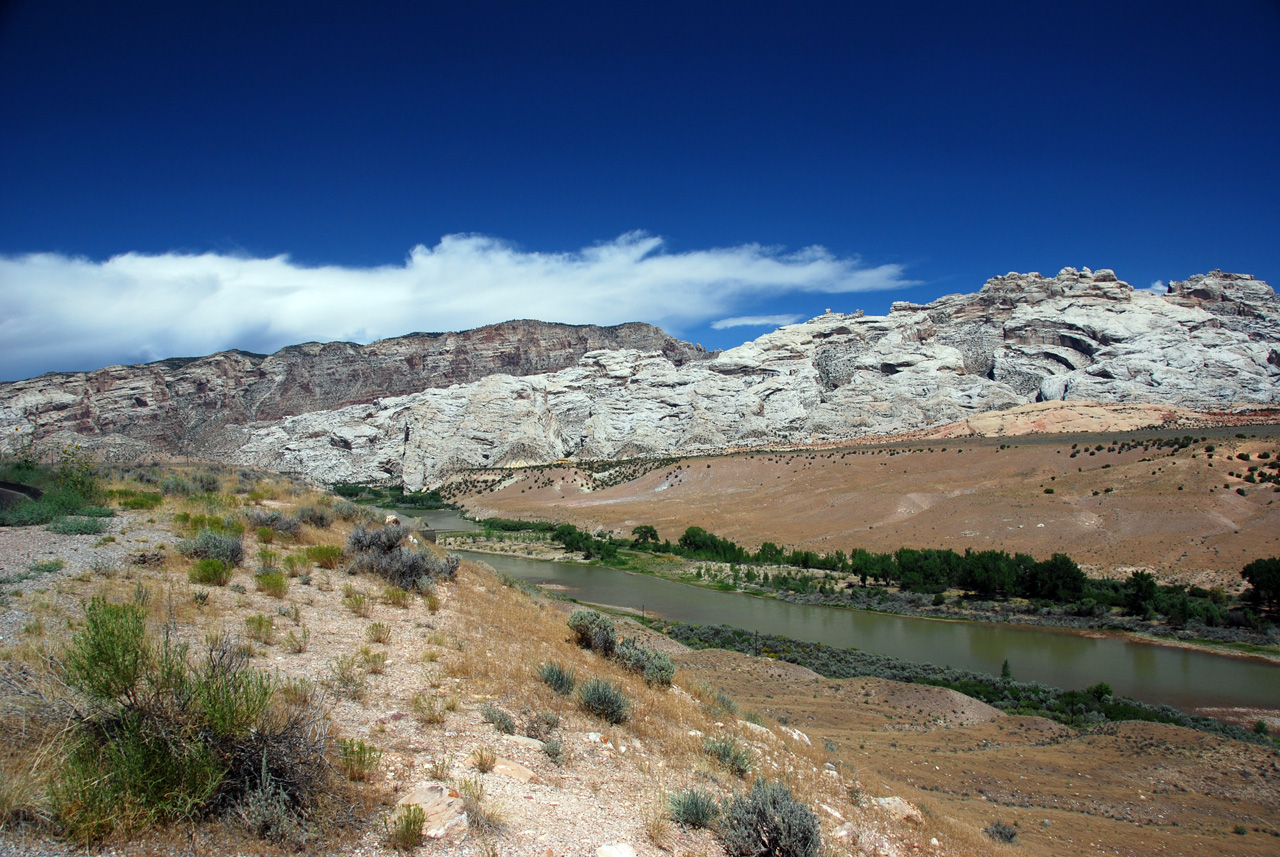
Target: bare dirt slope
<point x="1131" y="788"/>
<point x="1175" y="512"/>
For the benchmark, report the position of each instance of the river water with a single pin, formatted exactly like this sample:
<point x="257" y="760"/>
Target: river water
<point x="1183" y="678"/>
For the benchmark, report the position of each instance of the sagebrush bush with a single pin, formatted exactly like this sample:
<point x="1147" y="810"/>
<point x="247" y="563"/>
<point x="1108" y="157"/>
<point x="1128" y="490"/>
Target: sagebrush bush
<point x="605" y="700"/>
<point x="315" y="516"/>
<point x="501" y="720"/>
<point x="210" y="572"/>
<point x="378" y="552"/>
<point x="1001" y="832"/>
<point x="210" y="545"/>
<point x="693" y="807"/>
<point x="731" y="754"/>
<point x="278" y="521"/>
<point x="769" y="822"/>
<point x="558" y="677"/>
<point x="594" y="631"/>
<point x="655" y="666"/>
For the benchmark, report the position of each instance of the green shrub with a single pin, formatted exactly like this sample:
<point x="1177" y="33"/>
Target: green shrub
<point x="605" y="700"/>
<point x="78" y="526"/>
<point x="127" y="498"/>
<point x="594" y="631"/>
<point x="356" y="759"/>
<point x="293" y="564"/>
<point x="404" y="830"/>
<point x="693" y="808"/>
<point x="378" y="632"/>
<point x="210" y="545"/>
<point x="111" y="654"/>
<point x="729" y="753"/>
<point x="396" y="597"/>
<point x="558" y="677"/>
<point x="161" y="739"/>
<point x="210" y="572"/>
<point x="260" y="628"/>
<point x="272" y="583"/>
<point x="266" y="535"/>
<point x="769" y="821"/>
<point x="347" y="678"/>
<point x="501" y="720"/>
<point x="325" y="556"/>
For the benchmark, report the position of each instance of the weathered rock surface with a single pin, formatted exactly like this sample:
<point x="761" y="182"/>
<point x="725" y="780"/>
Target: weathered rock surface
<point x="182" y="404"/>
<point x="1210" y="344"/>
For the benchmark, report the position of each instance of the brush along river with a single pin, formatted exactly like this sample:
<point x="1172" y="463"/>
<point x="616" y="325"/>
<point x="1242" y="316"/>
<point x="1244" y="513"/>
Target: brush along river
<point x="1187" y="679"/>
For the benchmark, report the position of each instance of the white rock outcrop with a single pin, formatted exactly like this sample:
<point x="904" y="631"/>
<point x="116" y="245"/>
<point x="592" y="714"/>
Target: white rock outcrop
<point x="1080" y="336"/>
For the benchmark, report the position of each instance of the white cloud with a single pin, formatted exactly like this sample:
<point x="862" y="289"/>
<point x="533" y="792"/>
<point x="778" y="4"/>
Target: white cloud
<point x="755" y="321"/>
<point x="59" y="313"/>
<point x="1156" y="288"/>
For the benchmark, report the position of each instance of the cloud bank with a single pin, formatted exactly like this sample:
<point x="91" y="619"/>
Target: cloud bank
<point x="755" y="321"/>
<point x="59" y="313"/>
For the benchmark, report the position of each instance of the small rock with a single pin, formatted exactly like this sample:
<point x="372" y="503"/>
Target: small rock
<point x="515" y="771"/>
<point x="618" y="849"/>
<point x="443" y="807"/>
<point x="899" y="810"/>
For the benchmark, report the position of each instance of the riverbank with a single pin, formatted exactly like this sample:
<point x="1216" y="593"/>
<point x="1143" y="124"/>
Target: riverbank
<point x="720" y="577"/>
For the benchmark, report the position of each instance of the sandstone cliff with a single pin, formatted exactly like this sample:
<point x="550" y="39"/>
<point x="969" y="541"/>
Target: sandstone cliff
<point x="1210" y="344"/>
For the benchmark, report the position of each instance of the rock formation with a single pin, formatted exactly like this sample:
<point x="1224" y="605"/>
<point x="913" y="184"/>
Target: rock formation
<point x="1210" y="344"/>
<point x="181" y="404"/>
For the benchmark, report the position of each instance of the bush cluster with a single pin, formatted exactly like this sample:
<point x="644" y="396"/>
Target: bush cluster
<point x="655" y="666"/>
<point x="162" y="736"/>
<point x="210" y="545"/>
<point x="286" y="525"/>
<point x="594" y="631"/>
<point x="378" y="552"/>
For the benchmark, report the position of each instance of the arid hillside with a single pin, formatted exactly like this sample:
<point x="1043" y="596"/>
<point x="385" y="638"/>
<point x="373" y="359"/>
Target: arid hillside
<point x="1114" y="501"/>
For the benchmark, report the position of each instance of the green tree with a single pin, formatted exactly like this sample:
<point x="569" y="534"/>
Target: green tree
<point x="1140" y="593"/>
<point x="645" y="533"/>
<point x="1264" y="576"/>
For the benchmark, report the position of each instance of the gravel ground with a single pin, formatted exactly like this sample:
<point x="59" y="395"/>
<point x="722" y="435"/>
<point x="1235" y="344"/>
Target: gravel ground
<point x="23" y="547"/>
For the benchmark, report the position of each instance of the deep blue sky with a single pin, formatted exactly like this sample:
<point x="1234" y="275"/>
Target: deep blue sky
<point x="956" y="140"/>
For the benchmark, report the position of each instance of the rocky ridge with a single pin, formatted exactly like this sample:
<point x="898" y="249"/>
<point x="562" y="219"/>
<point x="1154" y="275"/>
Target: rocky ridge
<point x="182" y="404"/>
<point x="1209" y="344"/>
